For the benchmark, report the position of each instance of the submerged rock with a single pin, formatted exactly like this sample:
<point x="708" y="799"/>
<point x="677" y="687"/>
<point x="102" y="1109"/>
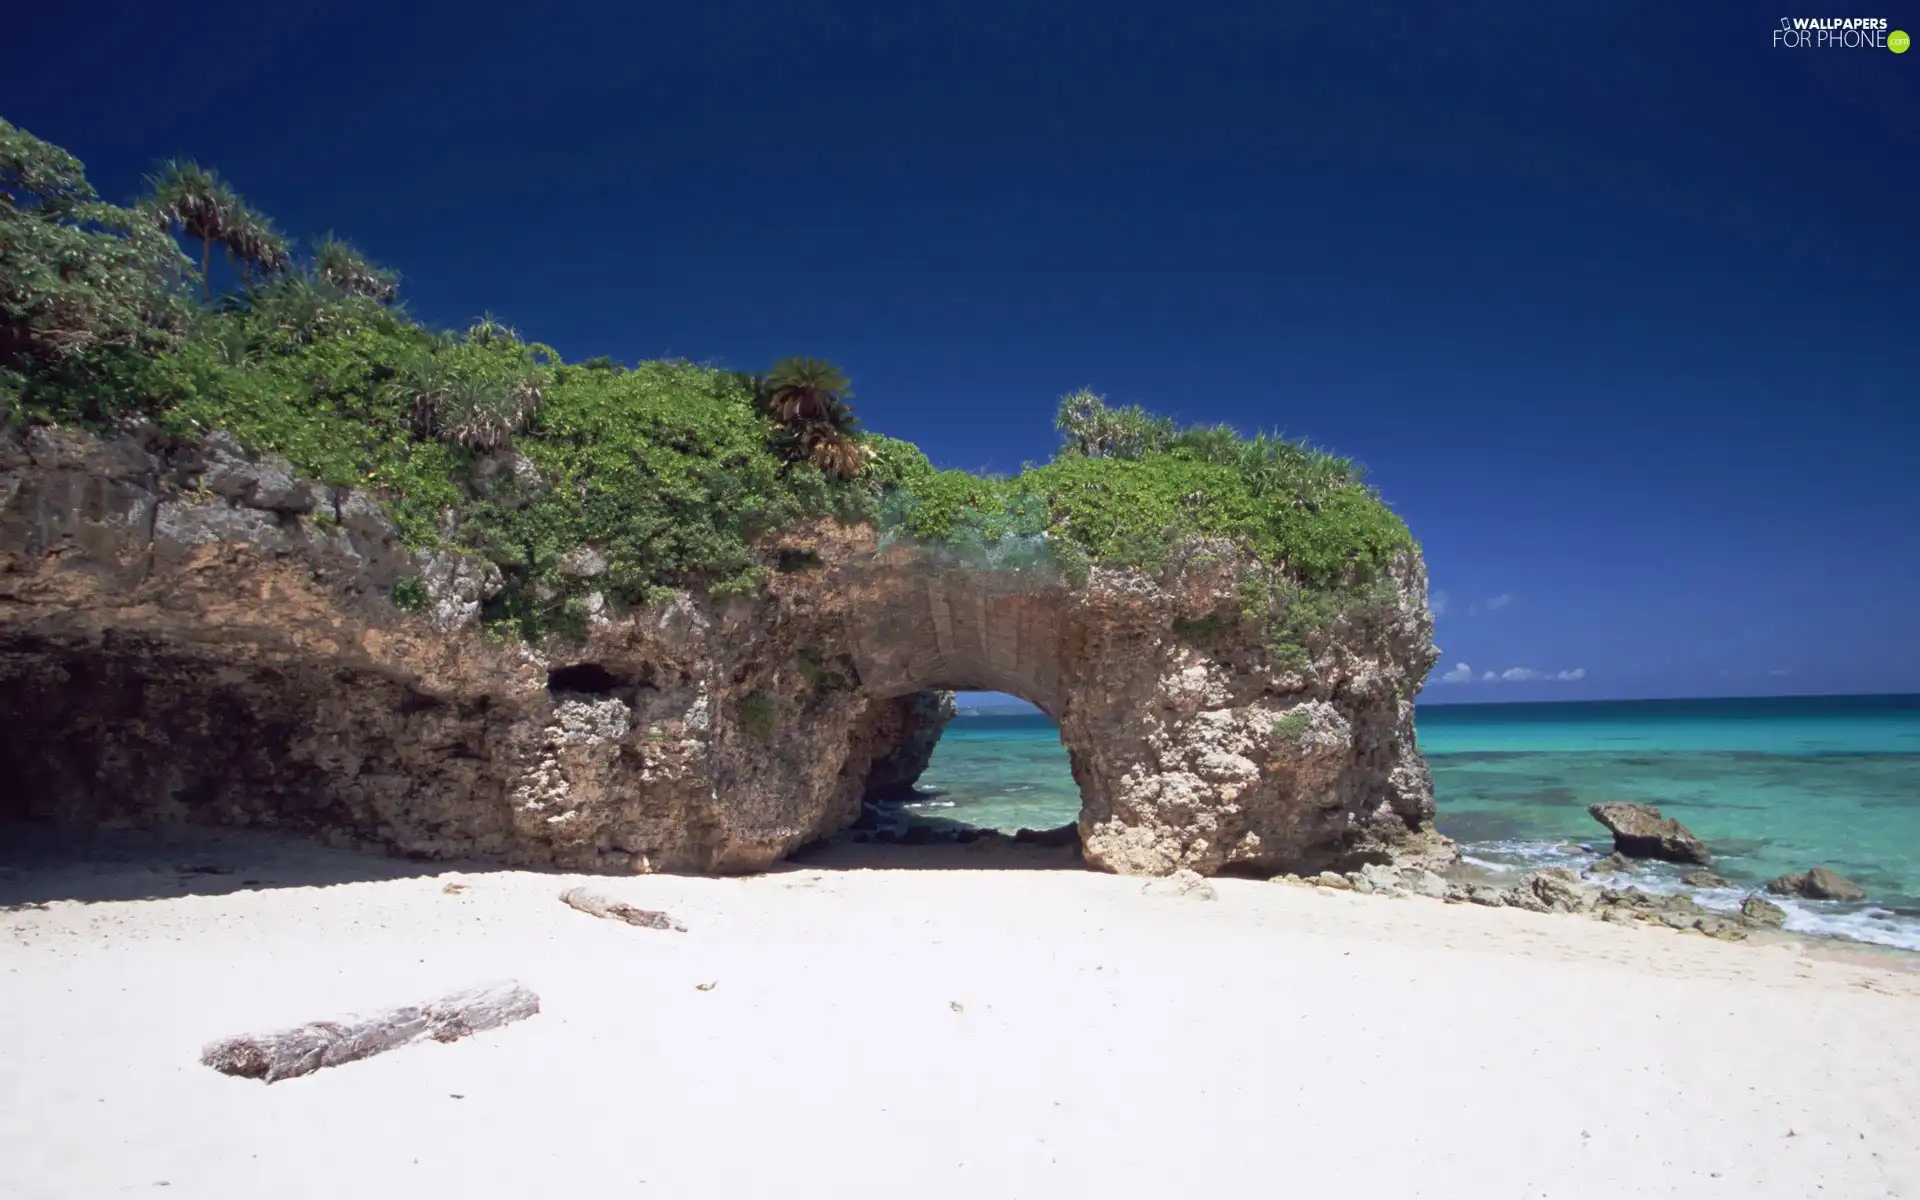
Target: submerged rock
<point x="1639" y="831"/>
<point x="1612" y="864"/>
<point x="1703" y="879"/>
<point x="1817" y="884"/>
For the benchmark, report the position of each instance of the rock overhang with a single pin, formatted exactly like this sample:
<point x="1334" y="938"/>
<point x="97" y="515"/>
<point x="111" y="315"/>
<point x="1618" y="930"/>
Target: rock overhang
<point x="748" y="727"/>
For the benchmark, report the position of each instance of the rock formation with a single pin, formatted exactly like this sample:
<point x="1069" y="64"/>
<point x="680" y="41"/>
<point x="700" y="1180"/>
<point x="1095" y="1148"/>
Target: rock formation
<point x="911" y="725"/>
<point x="186" y="634"/>
<point x="1639" y="831"/>
<point x="1817" y="884"/>
<point x="1762" y="911"/>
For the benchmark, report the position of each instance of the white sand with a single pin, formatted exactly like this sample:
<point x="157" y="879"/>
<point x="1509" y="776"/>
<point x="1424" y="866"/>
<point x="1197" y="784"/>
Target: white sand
<point x="1279" y="1041"/>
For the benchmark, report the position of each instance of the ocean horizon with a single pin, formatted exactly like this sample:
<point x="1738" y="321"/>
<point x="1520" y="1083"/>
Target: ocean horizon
<point x="1773" y="784"/>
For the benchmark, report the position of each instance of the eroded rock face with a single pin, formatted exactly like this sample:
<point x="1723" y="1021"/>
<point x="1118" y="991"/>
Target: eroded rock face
<point x="912" y="726"/>
<point x="185" y="634"/>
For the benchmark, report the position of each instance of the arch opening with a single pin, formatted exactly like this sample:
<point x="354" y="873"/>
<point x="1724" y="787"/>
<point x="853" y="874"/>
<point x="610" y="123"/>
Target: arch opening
<point x="987" y="766"/>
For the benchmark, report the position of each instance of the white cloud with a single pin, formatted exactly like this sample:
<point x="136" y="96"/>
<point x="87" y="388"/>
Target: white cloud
<point x="1462" y="673"/>
<point x="1780" y="671"/>
<point x="1438" y="603"/>
<point x="1500" y="601"/>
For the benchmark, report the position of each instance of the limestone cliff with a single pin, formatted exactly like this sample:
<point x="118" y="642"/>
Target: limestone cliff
<point x="187" y="634"/>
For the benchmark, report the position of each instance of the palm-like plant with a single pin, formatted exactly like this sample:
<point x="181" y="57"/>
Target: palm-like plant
<point x="800" y="391"/>
<point x="1095" y="430"/>
<point x="837" y="454"/>
<point x="345" y="268"/>
<point x="190" y="198"/>
<point x="807" y="399"/>
<point x="486" y="331"/>
<point x="478" y="409"/>
<point x="254" y="244"/>
<point x="483" y="413"/>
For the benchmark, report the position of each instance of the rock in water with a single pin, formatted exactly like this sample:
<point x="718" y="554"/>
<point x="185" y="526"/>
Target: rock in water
<point x="1762" y="911"/>
<point x="1639" y="831"/>
<point x="1817" y="884"/>
<point x="1612" y="864"/>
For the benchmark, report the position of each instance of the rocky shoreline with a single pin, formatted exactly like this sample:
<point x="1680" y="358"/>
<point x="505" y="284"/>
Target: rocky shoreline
<point x="1640" y="832"/>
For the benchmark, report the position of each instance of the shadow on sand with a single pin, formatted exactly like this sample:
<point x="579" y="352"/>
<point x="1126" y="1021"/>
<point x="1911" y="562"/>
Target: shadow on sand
<point x="41" y="864"/>
<point x="44" y="864"/>
<point x="990" y="852"/>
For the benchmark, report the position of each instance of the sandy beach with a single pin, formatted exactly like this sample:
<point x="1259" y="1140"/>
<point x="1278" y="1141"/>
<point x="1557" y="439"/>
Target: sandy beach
<point x="971" y="1025"/>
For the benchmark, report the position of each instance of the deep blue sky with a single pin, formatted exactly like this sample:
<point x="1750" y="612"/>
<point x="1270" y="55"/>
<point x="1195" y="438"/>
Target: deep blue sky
<point x="1620" y="304"/>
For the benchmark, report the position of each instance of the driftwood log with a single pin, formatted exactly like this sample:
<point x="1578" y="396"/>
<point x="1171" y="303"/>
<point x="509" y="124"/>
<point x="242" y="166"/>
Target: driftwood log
<point x="597" y="905"/>
<point x="302" y="1051"/>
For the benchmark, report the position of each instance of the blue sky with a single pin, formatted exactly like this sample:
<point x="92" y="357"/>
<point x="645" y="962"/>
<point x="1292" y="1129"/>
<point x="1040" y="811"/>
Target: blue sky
<point x="1620" y="304"/>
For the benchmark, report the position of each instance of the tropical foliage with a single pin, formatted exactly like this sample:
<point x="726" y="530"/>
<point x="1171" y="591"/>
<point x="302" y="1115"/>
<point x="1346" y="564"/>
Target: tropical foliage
<point x="487" y="442"/>
<point x="807" y="399"/>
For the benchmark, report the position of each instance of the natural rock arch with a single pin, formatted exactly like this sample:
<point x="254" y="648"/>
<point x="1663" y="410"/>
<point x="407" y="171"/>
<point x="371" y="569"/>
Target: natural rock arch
<point x="187" y="634"/>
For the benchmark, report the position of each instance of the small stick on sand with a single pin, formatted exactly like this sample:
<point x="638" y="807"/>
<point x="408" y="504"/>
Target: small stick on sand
<point x="594" y="904"/>
<point x="302" y="1051"/>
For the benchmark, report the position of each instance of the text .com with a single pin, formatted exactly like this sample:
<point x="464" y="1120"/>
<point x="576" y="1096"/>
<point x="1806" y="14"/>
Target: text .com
<point x="1849" y="33"/>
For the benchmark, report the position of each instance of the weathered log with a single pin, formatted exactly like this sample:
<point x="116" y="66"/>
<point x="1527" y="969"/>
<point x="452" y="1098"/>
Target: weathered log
<point x="594" y="904"/>
<point x="306" y="1049"/>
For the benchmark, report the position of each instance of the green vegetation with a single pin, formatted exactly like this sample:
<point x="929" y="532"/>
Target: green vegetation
<point x="410" y="594"/>
<point x="487" y="443"/>
<point x="1291" y="727"/>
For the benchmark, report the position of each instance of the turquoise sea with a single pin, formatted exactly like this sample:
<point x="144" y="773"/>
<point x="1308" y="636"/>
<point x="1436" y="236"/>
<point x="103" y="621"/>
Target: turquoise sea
<point x="1773" y="785"/>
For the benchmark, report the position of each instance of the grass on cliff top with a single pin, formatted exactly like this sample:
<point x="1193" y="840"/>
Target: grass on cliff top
<point x="488" y="443"/>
